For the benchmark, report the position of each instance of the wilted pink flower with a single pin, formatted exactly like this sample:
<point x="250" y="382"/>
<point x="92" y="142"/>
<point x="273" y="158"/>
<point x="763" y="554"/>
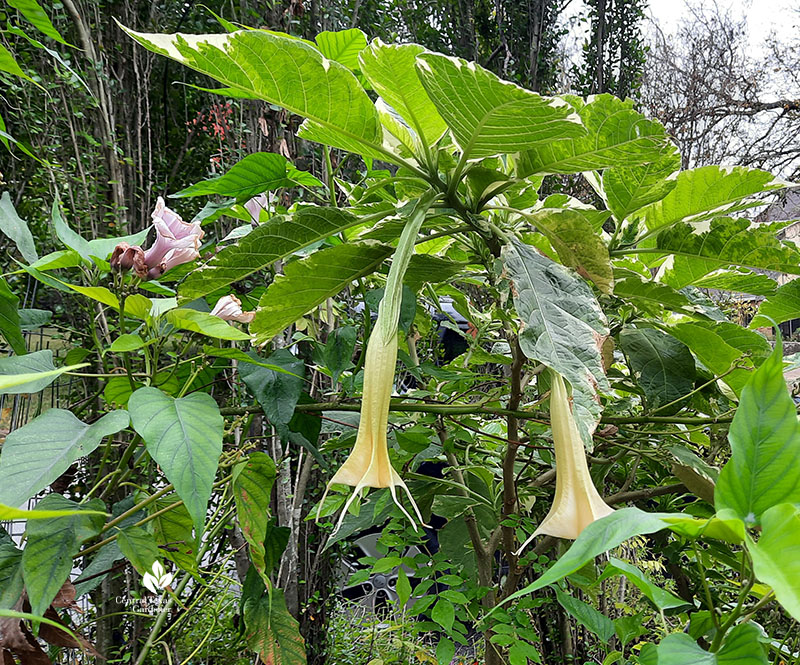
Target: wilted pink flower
<point x="176" y="241"/>
<point x="229" y="308"/>
<point x="126" y="257"/>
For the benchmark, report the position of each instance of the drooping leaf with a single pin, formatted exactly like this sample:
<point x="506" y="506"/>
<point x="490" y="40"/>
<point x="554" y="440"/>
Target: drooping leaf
<point x="47" y="557"/>
<point x="30" y="373"/>
<point x="9" y="64"/>
<point x="10" y="321"/>
<point x="765" y="445"/>
<point x="272" y="632"/>
<point x="33" y="12"/>
<point x="342" y="45"/>
<point x="16" y="229"/>
<point x="662" y="366"/>
<point x="391" y="70"/>
<point x="662" y="599"/>
<point x="630" y="188"/>
<point x="616" y="135"/>
<point x="277" y="239"/>
<point x="204" y="323"/>
<point x="184" y="437"/>
<point x="776" y="555"/>
<point x="32" y="318"/>
<point x="338" y="351"/>
<point x="255" y="174"/>
<point x="34" y="455"/>
<point x="276" y="392"/>
<point x="287" y="72"/>
<point x="139" y="548"/>
<point x="708" y="191"/>
<point x="489" y="116"/>
<point x="172" y="531"/>
<point x="587" y="615"/>
<point x="252" y="489"/>
<point x="563" y="326"/>
<point x="308" y="282"/>
<point x="728" y="242"/>
<point x="783" y="305"/>
<point x="742" y="646"/>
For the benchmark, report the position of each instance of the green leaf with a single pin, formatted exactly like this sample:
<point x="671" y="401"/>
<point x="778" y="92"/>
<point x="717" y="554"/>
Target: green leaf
<point x="275" y="541"/>
<point x="277" y="239"/>
<point x="252" y="490"/>
<point x="102" y="247"/>
<point x="742" y="646"/>
<point x="339" y="349"/>
<point x="30" y="373"/>
<point x="10" y="321"/>
<point x="600" y="536"/>
<point x="403" y="588"/>
<point x="445" y="650"/>
<point x="10" y="575"/>
<point x="138" y="547"/>
<point x="391" y="69"/>
<point x="586" y="615"/>
<point x="579" y="246"/>
<point x="184" y="436"/>
<point x="708" y="191"/>
<point x="765" y="445"/>
<point x="288" y="72"/>
<point x="272" y="632"/>
<point x="444" y="614"/>
<point x="741" y="281"/>
<point x="31" y="10"/>
<point x="563" y="325"/>
<point x="204" y="323"/>
<point x="663" y="600"/>
<point x="9" y="513"/>
<point x="776" y="555"/>
<point x="308" y="282"/>
<point x="67" y="236"/>
<point x="661" y="365"/>
<point x="47" y="557"/>
<point x="172" y="531"/>
<point x="429" y="269"/>
<point x="36" y="454"/>
<point x="616" y="136"/>
<point x="255" y="174"/>
<point x="342" y="46"/>
<point x="8" y="64"/>
<point x="31" y="319"/>
<point x="728" y="242"/>
<point x="783" y="305"/>
<point x="15" y="228"/>
<point x="489" y="116"/>
<point x="276" y="392"/>
<point x="650" y="296"/>
<point x="238" y="354"/>
<point x="63" y="258"/>
<point x="127" y="343"/>
<point x="629" y="189"/>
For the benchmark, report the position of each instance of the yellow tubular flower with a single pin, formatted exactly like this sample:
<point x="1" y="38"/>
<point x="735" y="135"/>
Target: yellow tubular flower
<point x="368" y="464"/>
<point x="577" y="502"/>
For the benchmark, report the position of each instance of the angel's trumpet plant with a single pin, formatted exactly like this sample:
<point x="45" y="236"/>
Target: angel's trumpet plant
<point x="577" y="502"/>
<point x="368" y="464"/>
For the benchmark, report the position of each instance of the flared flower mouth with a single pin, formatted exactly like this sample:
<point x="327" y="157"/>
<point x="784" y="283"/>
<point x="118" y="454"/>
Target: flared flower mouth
<point x="577" y="503"/>
<point x="176" y="241"/>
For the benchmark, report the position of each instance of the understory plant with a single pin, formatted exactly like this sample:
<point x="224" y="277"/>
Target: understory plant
<point x="544" y="365"/>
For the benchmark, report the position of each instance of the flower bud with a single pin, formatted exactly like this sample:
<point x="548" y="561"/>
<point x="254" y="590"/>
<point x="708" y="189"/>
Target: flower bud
<point x="229" y="308"/>
<point x="126" y="257"/>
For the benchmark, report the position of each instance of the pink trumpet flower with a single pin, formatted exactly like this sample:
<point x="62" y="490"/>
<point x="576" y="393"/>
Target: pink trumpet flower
<point x="229" y="308"/>
<point x="577" y="503"/>
<point x="176" y="241"/>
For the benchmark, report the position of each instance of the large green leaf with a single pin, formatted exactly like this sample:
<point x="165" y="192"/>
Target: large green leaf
<point x="272" y="632"/>
<point x="783" y="305"/>
<point x="9" y="319"/>
<point x="391" y="69"/>
<point x="776" y="555"/>
<point x="661" y="365"/>
<point x="10" y="65"/>
<point x="616" y="136"/>
<point x="139" y="548"/>
<point x="277" y="239"/>
<point x="563" y="326"/>
<point x="204" y="323"/>
<point x="308" y="282"/>
<point x="184" y="436"/>
<point x="30" y="373"/>
<point x="255" y="174"/>
<point x="34" y="455"/>
<point x="172" y="531"/>
<point x="587" y="615"/>
<point x="276" y="392"/>
<point x="663" y="600"/>
<point x="17" y="229"/>
<point x="252" y="490"/>
<point x="31" y="10"/>
<point x="67" y="236"/>
<point x="47" y="557"/>
<point x="10" y="575"/>
<point x="629" y="188"/>
<point x="600" y="536"/>
<point x="489" y="116"/>
<point x="708" y="191"/>
<point x="650" y="296"/>
<point x="742" y="646"/>
<point x="342" y="45"/>
<point x="727" y="242"/>
<point x="765" y="446"/>
<point x="285" y="71"/>
<point x="740" y="281"/>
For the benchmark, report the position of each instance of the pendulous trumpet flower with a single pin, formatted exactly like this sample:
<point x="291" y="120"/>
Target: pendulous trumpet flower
<point x="577" y="503"/>
<point x="368" y="464"/>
